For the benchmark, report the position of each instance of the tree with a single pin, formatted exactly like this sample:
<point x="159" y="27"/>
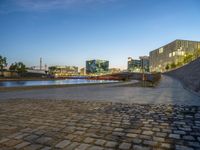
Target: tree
<point x="19" y="67"/>
<point x="188" y="58"/>
<point x="13" y="67"/>
<point x="173" y="65"/>
<point x="3" y="63"/>
<point x="198" y="53"/>
<point x="179" y="64"/>
<point x="52" y="69"/>
<point x="167" y="67"/>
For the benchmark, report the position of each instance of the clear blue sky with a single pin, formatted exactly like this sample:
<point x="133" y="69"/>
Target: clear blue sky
<point x="68" y="32"/>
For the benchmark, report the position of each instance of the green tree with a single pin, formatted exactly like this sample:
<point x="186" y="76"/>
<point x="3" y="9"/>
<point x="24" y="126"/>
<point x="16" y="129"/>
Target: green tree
<point x="198" y="53"/>
<point x="188" y="58"/>
<point x="173" y="65"/>
<point x="13" y="67"/>
<point x="3" y="63"/>
<point x="179" y="64"/>
<point x="19" y="67"/>
<point x="52" y="69"/>
<point x="167" y="67"/>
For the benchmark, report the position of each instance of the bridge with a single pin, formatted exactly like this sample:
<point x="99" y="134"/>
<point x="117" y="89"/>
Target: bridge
<point x="151" y="77"/>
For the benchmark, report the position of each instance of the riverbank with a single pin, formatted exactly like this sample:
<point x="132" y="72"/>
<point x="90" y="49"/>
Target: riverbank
<point x="22" y="88"/>
<point x="168" y="91"/>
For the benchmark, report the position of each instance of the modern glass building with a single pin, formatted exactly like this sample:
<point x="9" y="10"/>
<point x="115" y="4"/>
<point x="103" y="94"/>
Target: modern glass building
<point x="97" y="66"/>
<point x="172" y="53"/>
<point x="134" y="65"/>
<point x="138" y="65"/>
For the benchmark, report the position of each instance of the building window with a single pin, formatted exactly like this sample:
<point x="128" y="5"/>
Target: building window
<point x="170" y="54"/>
<point x="161" y="50"/>
<point x="174" y="53"/>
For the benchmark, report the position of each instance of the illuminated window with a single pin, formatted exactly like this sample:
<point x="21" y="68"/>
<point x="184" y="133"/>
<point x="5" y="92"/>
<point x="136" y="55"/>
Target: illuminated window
<point x="170" y="54"/>
<point x="161" y="50"/>
<point x="174" y="53"/>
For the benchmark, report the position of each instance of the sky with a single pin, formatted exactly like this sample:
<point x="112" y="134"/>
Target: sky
<point x="69" y="32"/>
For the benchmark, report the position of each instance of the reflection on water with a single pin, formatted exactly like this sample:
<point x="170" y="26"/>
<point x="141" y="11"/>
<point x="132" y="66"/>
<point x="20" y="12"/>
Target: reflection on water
<point x="50" y="82"/>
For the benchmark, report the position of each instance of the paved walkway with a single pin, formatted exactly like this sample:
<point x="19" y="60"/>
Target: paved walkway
<point x="169" y="91"/>
<point x="39" y="124"/>
<point x="45" y="125"/>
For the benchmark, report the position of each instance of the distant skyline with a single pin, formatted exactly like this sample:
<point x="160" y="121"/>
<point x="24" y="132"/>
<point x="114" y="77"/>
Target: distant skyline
<point x="69" y="32"/>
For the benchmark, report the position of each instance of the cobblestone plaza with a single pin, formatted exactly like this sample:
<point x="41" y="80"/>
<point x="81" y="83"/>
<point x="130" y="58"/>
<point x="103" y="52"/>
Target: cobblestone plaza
<point x="168" y="119"/>
<point x="44" y="125"/>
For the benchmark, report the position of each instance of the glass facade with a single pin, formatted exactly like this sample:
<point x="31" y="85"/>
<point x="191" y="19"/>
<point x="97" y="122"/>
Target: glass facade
<point x="135" y="65"/>
<point x="97" y="66"/>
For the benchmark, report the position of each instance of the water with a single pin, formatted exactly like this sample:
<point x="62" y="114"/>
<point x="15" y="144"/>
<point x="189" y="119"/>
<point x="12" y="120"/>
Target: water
<point x="51" y="82"/>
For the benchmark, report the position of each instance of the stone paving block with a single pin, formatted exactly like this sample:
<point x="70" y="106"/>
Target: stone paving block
<point x="111" y="144"/>
<point x="100" y="142"/>
<point x="33" y="147"/>
<point x="11" y="142"/>
<point x="72" y="146"/>
<point x="166" y="145"/>
<point x="70" y="136"/>
<point x="188" y="137"/>
<point x="4" y="140"/>
<point x="161" y="134"/>
<point x="63" y="144"/>
<point x="131" y="135"/>
<point x="194" y="144"/>
<point x="136" y="141"/>
<point x="21" y="136"/>
<point x="158" y="139"/>
<point x="83" y="146"/>
<point x="46" y="148"/>
<point x="89" y="140"/>
<point x="124" y="146"/>
<point x="95" y="148"/>
<point x="31" y="137"/>
<point x="181" y="147"/>
<point x="174" y="136"/>
<point x="150" y="143"/>
<point x="198" y="139"/>
<point x="146" y="137"/>
<point x="43" y="140"/>
<point x="147" y="132"/>
<point x="179" y="132"/>
<point x="139" y="147"/>
<point x="21" y="145"/>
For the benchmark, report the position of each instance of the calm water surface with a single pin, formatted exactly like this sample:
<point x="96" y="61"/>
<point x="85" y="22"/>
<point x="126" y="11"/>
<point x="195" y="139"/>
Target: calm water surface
<point x="51" y="82"/>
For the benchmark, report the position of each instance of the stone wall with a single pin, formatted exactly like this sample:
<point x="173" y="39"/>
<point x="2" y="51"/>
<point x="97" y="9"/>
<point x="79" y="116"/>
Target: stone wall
<point x="189" y="75"/>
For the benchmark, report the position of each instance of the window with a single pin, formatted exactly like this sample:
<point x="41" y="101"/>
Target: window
<point x="170" y="54"/>
<point x="161" y="50"/>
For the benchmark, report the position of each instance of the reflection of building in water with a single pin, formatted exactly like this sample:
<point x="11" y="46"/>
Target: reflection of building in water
<point x="171" y="53"/>
<point x="97" y="66"/>
<point x="62" y="71"/>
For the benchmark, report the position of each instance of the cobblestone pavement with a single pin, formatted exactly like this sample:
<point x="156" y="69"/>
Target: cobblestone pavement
<point x="45" y="125"/>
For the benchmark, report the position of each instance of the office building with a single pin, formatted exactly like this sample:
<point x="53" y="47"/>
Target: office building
<point x="138" y="65"/>
<point x="97" y="66"/>
<point x="171" y="54"/>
